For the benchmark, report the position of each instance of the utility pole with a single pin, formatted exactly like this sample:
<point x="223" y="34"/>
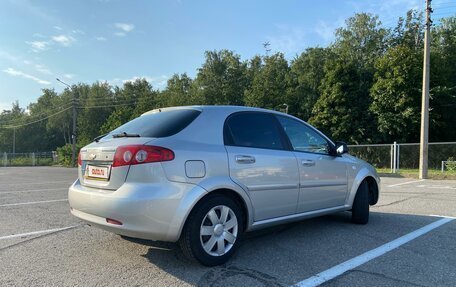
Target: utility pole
<point x="14" y="140"/>
<point x="424" y="137"/>
<point x="73" y="135"/>
<point x="266" y="47"/>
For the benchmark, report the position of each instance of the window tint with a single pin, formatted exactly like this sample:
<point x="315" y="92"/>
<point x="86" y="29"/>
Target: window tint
<point x="159" y="124"/>
<point x="302" y="137"/>
<point x="252" y="129"/>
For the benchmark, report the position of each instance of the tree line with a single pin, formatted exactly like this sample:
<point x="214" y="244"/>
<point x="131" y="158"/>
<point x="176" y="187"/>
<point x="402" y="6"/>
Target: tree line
<point x="365" y="87"/>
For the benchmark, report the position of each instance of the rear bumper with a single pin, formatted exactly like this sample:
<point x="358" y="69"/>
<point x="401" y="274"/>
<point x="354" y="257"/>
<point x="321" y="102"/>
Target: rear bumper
<point x="155" y="211"/>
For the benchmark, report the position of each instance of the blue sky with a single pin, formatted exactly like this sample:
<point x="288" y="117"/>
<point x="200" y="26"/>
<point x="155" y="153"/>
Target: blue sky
<point x="117" y="41"/>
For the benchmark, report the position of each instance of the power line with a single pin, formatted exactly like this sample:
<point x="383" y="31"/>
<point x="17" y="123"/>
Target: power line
<point x="108" y="106"/>
<point x="7" y="124"/>
<point x="35" y="121"/>
<point x="37" y="115"/>
<point x="107" y="101"/>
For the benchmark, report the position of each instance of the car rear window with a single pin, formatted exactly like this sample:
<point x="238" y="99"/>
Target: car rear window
<point x="159" y="124"/>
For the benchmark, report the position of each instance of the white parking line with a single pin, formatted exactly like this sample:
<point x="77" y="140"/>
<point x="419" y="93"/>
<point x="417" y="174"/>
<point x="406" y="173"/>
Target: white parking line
<point x="33" y="190"/>
<point x="36" y="232"/>
<point x="337" y="270"/>
<point x="408" y="182"/>
<point x="444" y="216"/>
<point x="36" y="183"/>
<point x="32" y="202"/>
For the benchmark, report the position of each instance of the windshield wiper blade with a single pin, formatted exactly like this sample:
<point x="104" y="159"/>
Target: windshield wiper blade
<point x="98" y="138"/>
<point x="125" y="135"/>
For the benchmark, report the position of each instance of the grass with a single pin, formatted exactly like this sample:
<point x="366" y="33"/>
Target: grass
<point x="27" y="161"/>
<point x="413" y="173"/>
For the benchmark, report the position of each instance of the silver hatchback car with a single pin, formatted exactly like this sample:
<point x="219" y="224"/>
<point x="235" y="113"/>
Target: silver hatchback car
<point x="204" y="175"/>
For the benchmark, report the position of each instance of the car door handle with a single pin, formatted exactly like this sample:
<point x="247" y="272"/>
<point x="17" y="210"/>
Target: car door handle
<point x="307" y="162"/>
<point x="245" y="159"/>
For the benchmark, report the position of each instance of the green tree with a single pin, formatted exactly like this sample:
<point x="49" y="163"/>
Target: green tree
<point x="396" y="94"/>
<point x="130" y="101"/>
<point x="95" y="105"/>
<point x="178" y="92"/>
<point x="443" y="81"/>
<point x="343" y="108"/>
<point x="408" y="31"/>
<point x="61" y="123"/>
<point x="269" y="83"/>
<point x="305" y="78"/>
<point x="221" y="80"/>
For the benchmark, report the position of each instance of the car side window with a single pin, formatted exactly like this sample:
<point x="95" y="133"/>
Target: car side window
<point x="303" y="138"/>
<point x="253" y="129"/>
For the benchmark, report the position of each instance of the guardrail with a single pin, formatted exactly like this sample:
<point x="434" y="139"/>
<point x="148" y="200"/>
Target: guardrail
<point x="404" y="155"/>
<point x="29" y="159"/>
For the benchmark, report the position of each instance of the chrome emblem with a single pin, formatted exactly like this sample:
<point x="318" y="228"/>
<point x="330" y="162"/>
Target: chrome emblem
<point x="92" y="156"/>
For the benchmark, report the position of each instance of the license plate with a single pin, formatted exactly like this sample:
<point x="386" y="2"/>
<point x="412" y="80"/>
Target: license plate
<point x="96" y="171"/>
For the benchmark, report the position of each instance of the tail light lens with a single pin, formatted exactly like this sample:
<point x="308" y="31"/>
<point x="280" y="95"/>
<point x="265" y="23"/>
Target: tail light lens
<point x="79" y="159"/>
<point x="137" y="154"/>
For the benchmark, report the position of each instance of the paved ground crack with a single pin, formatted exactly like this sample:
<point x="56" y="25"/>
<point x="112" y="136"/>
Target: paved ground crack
<point x="218" y="275"/>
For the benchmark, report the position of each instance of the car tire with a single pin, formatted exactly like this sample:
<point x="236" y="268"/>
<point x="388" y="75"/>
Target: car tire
<point x="360" y="209"/>
<point x="202" y="229"/>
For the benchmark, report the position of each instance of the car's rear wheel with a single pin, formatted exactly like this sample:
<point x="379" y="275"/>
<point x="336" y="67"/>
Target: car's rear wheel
<point x="360" y="209"/>
<point x="213" y="231"/>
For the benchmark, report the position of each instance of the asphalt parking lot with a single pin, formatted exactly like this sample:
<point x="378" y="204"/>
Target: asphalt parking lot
<point x="409" y="241"/>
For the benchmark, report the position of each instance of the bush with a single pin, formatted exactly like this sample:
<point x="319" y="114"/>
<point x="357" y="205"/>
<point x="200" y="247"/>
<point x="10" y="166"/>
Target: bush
<point x="21" y="161"/>
<point x="451" y="164"/>
<point x="64" y="154"/>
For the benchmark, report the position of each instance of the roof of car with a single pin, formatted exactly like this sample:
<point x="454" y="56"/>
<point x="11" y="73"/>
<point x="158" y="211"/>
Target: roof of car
<point x="224" y="108"/>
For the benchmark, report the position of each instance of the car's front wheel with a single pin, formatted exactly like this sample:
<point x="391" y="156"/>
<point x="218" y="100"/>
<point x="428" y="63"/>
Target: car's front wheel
<point x="360" y="208"/>
<point x="213" y="231"/>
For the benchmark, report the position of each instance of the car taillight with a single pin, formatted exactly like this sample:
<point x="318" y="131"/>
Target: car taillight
<point x="137" y="154"/>
<point x="79" y="159"/>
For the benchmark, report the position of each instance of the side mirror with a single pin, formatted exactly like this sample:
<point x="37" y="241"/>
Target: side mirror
<point x="341" y="148"/>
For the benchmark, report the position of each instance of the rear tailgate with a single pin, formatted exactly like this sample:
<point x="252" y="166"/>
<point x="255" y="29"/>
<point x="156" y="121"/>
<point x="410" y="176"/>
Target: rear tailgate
<point x="96" y="169"/>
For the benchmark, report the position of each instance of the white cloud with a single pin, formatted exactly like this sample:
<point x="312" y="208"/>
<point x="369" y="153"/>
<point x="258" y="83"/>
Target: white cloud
<point x="100" y="38"/>
<point x="38" y="46"/>
<point x="38" y="35"/>
<point x="42" y="69"/>
<point x="288" y="40"/>
<point x="58" y="28"/>
<point x="156" y="82"/>
<point x="64" y="40"/>
<point x="7" y="56"/>
<point x="125" y="27"/>
<point x="392" y="5"/>
<point x="5" y="106"/>
<point x="325" y="31"/>
<point x="68" y="76"/>
<point x="16" y="73"/>
<point x="77" y="31"/>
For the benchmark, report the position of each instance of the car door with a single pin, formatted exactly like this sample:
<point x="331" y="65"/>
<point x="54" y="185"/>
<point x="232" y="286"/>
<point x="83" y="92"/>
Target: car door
<point x="260" y="162"/>
<point x="323" y="177"/>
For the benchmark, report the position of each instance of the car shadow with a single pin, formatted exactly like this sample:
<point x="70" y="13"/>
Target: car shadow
<point x="286" y="254"/>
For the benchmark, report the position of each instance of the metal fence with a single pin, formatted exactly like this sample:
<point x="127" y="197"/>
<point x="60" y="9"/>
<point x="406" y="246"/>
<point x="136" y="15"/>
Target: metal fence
<point x="397" y="156"/>
<point x="28" y="159"/>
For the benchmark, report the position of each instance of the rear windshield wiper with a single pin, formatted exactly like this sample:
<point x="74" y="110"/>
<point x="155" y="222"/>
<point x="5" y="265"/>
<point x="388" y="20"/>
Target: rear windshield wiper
<point x="98" y="138"/>
<point x="125" y="135"/>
